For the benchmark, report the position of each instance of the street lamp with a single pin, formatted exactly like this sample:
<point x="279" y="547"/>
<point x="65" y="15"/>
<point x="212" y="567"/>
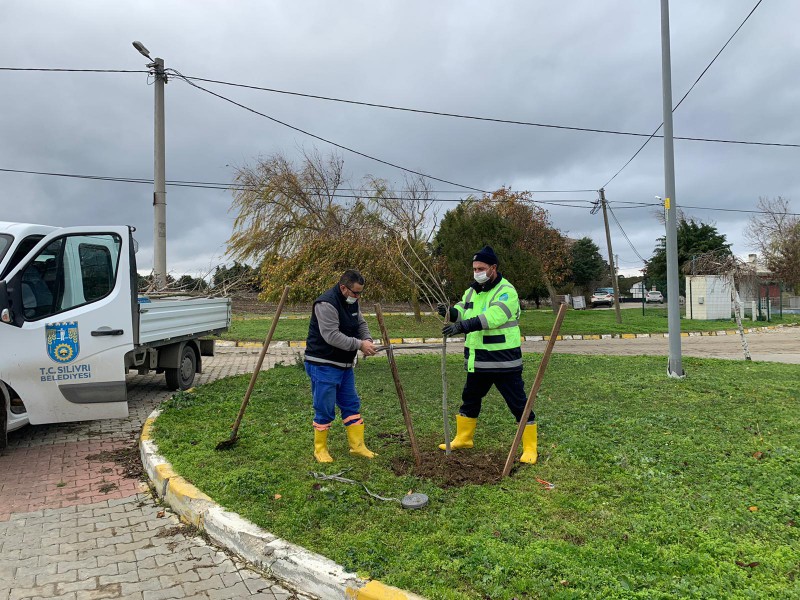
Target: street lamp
<point x="159" y="172"/>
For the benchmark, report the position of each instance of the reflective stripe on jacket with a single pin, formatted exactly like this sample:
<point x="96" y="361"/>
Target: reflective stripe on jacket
<point x="497" y="346"/>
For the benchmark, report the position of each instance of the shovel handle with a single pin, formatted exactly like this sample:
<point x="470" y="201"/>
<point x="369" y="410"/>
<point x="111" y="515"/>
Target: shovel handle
<point x="535" y="389"/>
<point x="261" y="356"/>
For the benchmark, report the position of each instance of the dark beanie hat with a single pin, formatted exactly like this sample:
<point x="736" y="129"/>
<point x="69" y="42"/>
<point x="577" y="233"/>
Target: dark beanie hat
<point x="486" y="255"/>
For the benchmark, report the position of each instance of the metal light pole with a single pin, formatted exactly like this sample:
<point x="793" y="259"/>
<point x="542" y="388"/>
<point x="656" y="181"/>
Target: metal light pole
<point x="159" y="173"/>
<point x="675" y="366"/>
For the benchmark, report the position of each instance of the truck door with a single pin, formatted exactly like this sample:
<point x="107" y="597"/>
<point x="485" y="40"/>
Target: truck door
<point x="71" y="325"/>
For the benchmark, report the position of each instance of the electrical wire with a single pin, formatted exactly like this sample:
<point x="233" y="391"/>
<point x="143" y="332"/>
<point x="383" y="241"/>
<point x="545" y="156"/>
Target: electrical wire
<point x="73" y="70"/>
<point x="227" y="187"/>
<point x="686" y="94"/>
<point x="625" y="235"/>
<point x="443" y="113"/>
<point x="493" y="119"/>
<point x="327" y="141"/>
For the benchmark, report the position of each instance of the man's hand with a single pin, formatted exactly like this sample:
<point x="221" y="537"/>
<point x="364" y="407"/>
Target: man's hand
<point x="441" y="309"/>
<point x="453" y="329"/>
<point x="368" y="348"/>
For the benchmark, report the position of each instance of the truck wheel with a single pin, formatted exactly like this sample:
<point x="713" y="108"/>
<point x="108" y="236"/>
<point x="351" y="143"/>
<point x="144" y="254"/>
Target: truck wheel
<point x="182" y="377"/>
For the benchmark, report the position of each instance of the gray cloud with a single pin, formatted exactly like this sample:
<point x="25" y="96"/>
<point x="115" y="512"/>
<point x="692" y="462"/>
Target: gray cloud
<point x="580" y="63"/>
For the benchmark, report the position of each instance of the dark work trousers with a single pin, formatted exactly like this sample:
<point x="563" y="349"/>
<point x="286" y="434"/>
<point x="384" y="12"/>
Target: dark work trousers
<point x="510" y="386"/>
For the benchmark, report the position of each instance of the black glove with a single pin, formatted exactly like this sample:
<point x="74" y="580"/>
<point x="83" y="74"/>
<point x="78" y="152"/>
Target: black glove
<point x="453" y="329"/>
<point x="441" y="309"/>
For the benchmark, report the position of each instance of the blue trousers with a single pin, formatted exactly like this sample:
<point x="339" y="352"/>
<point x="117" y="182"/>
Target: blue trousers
<point x="332" y="387"/>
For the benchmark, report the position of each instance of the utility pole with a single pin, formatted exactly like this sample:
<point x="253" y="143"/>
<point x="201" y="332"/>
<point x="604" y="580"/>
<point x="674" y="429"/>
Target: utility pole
<point x="159" y="173"/>
<point x="675" y="366"/>
<point x="614" y="283"/>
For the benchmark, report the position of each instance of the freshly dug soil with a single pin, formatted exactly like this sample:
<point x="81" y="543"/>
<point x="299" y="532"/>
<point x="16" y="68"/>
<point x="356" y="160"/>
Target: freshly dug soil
<point x="461" y="467"/>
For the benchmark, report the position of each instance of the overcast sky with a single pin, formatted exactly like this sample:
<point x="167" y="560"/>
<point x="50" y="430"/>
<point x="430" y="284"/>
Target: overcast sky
<point x="584" y="63"/>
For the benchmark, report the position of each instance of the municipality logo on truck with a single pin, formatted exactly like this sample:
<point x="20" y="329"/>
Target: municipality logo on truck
<point x="63" y="345"/>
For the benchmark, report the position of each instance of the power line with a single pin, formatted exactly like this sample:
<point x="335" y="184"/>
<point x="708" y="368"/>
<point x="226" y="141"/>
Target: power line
<point x="651" y="136"/>
<point x="227" y="186"/>
<point x="625" y="235"/>
<point x="327" y="141"/>
<point x="441" y="113"/>
<point x="232" y="186"/>
<point x="73" y="70"/>
<point x="491" y="119"/>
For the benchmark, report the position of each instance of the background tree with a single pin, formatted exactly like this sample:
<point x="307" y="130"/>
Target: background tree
<point x="188" y="283"/>
<point x="295" y="223"/>
<point x="317" y="265"/>
<point x="236" y="279"/>
<point x="408" y="217"/>
<point x="694" y="238"/>
<point x="280" y="205"/>
<point x="587" y="265"/>
<point x="532" y="253"/>
<point x="467" y="228"/>
<point x="537" y="236"/>
<point x="775" y="235"/>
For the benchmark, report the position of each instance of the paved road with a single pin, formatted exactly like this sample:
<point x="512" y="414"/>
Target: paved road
<point x="73" y="525"/>
<point x="779" y="345"/>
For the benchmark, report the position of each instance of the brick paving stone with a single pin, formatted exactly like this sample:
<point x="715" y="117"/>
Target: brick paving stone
<point x="61" y="536"/>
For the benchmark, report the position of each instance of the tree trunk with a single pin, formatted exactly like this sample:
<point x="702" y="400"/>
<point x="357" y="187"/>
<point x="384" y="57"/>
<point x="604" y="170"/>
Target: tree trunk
<point x="552" y="291"/>
<point x="415" y="303"/>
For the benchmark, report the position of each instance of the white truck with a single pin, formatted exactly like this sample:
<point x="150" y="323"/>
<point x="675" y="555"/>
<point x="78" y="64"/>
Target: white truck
<point x="72" y="325"/>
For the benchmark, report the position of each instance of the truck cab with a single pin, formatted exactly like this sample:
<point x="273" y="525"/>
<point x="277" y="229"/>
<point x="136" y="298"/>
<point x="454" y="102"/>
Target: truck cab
<point x="71" y="325"/>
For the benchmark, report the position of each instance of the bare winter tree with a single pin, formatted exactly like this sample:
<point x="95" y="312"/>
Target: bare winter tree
<point x="408" y="215"/>
<point x="775" y="234"/>
<point x="280" y="204"/>
<point x="736" y="273"/>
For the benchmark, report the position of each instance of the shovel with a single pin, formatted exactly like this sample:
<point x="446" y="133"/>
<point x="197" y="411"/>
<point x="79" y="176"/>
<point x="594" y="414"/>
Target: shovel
<point x="224" y="444"/>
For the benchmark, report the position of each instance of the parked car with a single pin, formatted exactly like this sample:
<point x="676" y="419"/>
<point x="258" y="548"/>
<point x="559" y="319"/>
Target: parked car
<point x="602" y="298"/>
<point x="654" y="296"/>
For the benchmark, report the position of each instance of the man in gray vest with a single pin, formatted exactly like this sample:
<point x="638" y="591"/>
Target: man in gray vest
<point x="335" y="335"/>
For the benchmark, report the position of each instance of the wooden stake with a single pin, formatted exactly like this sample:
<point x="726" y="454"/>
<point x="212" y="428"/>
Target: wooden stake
<point x="535" y="389"/>
<point x="234" y="432"/>
<point x="399" y="386"/>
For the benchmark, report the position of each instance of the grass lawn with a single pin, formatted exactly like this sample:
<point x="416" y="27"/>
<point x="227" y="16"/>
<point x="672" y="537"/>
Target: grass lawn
<point x="532" y="322"/>
<point x="663" y="488"/>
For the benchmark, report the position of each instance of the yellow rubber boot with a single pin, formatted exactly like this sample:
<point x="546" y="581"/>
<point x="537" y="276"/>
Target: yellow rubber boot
<point x="321" y="446"/>
<point x="355" y="437"/>
<point x="465" y="431"/>
<point x="530" y="453"/>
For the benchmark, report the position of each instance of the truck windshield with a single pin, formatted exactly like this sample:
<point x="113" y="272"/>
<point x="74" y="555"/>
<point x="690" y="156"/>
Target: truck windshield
<point x="5" y="244"/>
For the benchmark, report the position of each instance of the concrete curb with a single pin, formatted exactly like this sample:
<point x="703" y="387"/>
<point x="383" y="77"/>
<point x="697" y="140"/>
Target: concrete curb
<point x="305" y="571"/>
<point x="527" y="338"/>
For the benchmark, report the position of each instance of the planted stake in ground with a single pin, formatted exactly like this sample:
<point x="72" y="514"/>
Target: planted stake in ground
<point x="399" y="386"/>
<point x="535" y="389"/>
<point x="234" y="432"/>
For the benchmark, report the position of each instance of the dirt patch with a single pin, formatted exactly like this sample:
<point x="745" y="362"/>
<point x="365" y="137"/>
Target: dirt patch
<point x="108" y="487"/>
<point x="464" y="467"/>
<point x="128" y="458"/>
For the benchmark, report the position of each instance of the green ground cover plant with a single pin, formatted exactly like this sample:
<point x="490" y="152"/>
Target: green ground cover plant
<point x="664" y="488"/>
<point x="532" y="322"/>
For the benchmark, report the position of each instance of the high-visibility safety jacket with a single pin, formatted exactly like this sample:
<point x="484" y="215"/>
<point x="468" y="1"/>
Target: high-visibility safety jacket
<point x="496" y="347"/>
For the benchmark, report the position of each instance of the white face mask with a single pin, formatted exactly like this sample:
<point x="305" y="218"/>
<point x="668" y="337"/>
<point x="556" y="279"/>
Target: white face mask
<point x="350" y="300"/>
<point x="481" y="277"/>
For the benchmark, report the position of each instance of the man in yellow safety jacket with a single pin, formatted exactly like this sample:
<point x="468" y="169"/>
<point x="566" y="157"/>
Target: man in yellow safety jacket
<point x="489" y="316"/>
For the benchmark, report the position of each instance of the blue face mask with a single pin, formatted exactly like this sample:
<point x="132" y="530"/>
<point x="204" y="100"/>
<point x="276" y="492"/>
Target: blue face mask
<point x="350" y="300"/>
